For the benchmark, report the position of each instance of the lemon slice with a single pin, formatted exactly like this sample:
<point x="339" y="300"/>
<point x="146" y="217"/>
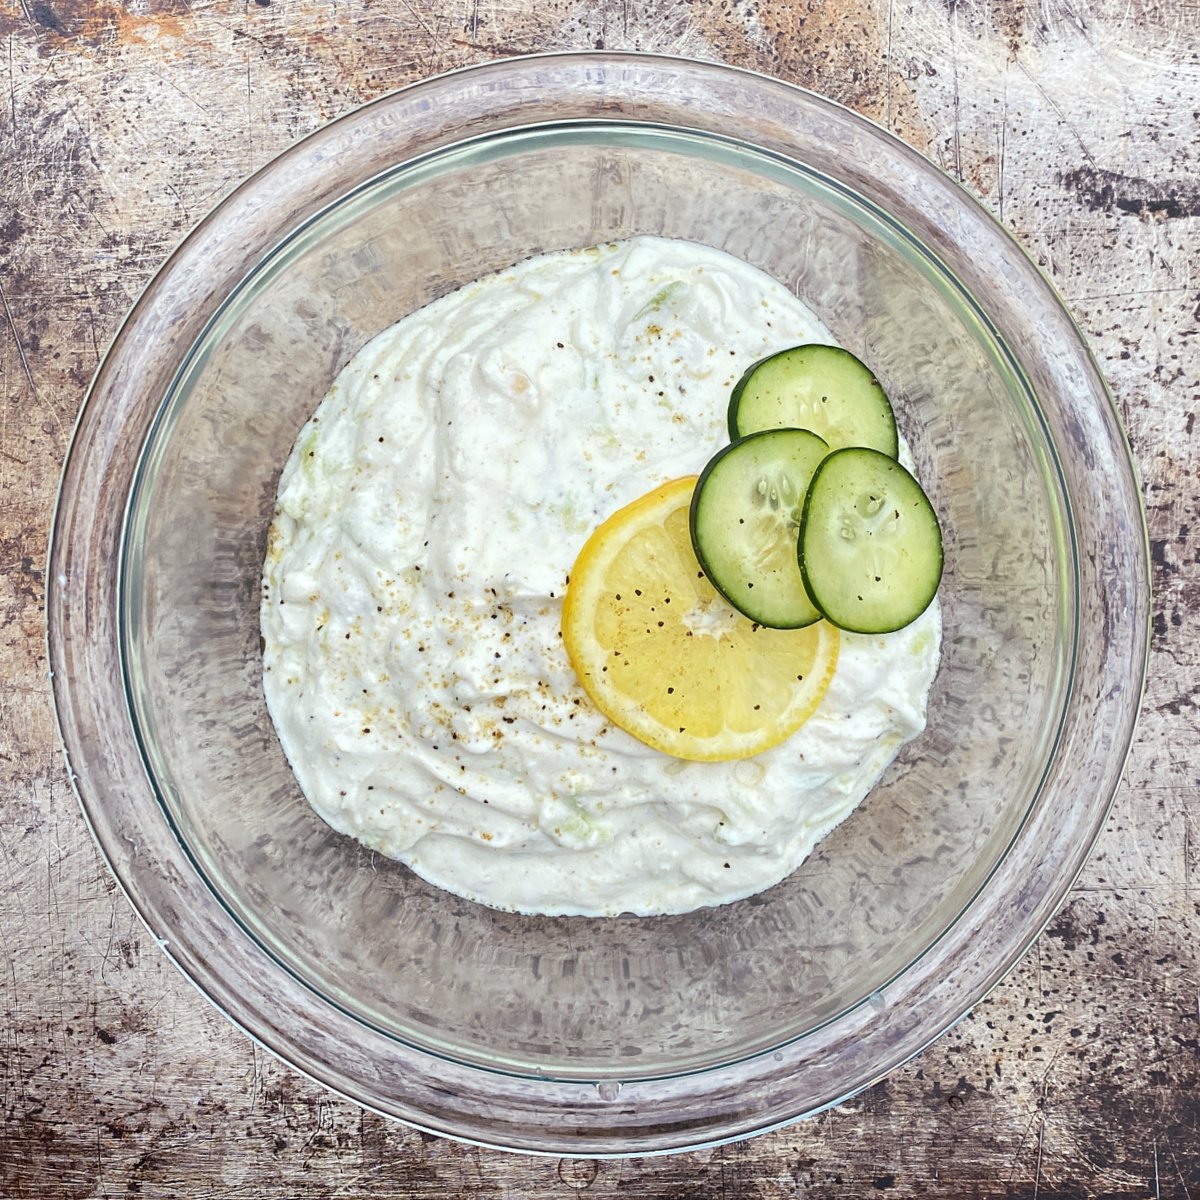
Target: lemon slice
<point x="664" y="656"/>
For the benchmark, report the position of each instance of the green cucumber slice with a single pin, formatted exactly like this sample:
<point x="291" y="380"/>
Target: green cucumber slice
<point x="870" y="547"/>
<point x="745" y="519"/>
<point x="822" y="388"/>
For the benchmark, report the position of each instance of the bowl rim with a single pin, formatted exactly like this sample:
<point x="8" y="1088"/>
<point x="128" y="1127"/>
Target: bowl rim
<point x="60" y="611"/>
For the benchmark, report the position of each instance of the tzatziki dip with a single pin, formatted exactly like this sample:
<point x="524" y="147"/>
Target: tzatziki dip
<point x="426" y="523"/>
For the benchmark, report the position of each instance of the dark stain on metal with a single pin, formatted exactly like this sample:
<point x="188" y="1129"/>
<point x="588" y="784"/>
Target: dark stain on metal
<point x="1111" y="191"/>
<point x="47" y="18"/>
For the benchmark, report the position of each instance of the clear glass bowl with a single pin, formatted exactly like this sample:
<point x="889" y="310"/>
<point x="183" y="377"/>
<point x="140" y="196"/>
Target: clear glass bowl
<point x="574" y="1035"/>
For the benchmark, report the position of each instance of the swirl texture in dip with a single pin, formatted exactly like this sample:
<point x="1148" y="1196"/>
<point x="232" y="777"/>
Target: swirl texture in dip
<point x="426" y="522"/>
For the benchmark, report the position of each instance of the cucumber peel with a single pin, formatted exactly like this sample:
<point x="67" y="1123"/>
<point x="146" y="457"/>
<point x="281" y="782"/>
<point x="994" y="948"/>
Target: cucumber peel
<point x="822" y="388"/>
<point x="870" y="547"/>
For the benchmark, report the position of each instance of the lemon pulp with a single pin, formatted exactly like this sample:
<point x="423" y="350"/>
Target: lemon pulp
<point x="663" y="655"/>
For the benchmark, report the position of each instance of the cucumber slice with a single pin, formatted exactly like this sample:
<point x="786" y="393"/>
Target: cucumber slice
<point x="870" y="548"/>
<point x="745" y="519"/>
<point x="822" y="388"/>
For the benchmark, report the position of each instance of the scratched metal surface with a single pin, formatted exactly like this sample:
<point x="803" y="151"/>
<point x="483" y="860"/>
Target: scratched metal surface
<point x="1074" y="120"/>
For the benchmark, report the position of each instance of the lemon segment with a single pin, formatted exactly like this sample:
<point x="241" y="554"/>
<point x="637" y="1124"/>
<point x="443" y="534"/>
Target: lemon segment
<point x="663" y="655"/>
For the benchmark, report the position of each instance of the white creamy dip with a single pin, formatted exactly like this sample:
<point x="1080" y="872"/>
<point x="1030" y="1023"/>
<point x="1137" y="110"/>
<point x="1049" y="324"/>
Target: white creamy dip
<point x="427" y="520"/>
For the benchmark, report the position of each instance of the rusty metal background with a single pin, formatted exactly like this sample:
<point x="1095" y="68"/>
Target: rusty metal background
<point x="1075" y="121"/>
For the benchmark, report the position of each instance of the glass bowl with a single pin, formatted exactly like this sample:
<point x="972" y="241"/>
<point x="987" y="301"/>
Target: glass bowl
<point x="579" y="1035"/>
